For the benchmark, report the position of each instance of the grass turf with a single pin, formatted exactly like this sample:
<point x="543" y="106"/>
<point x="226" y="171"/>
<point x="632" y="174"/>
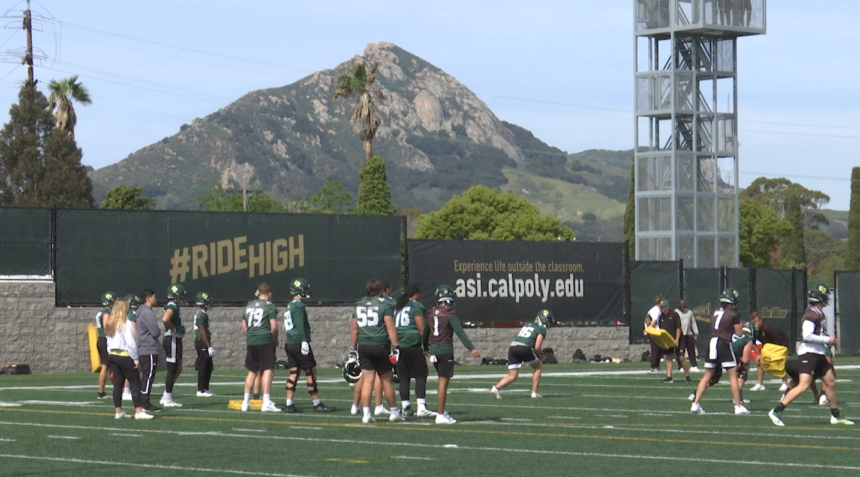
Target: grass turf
<point x="593" y="420"/>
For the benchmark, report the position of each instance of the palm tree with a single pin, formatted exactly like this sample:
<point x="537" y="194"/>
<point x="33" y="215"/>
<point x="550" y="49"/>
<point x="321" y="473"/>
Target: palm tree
<point x="365" y="117"/>
<point x="62" y="94"/>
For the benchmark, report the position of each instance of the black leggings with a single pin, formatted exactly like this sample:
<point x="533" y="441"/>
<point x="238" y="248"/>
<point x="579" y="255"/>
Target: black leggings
<point x="204" y="365"/>
<point x="656" y="354"/>
<point x="420" y="388"/>
<point x="122" y="368"/>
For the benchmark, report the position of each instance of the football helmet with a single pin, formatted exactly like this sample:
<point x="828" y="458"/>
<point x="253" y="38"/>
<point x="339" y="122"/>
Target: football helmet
<point x="445" y="293"/>
<point x="545" y="317"/>
<point x="729" y="296"/>
<point x="176" y="291"/>
<point x="300" y="287"/>
<point x="108" y="298"/>
<point x="818" y="292"/>
<point x="133" y="300"/>
<point x="203" y="298"/>
<point x="351" y="368"/>
<point x="395" y="378"/>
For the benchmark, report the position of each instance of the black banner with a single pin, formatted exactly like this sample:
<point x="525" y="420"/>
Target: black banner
<point x="224" y="254"/>
<point x="25" y="241"/>
<point x="499" y="281"/>
<point x="702" y="292"/>
<point x="773" y="298"/>
<point x="848" y="318"/>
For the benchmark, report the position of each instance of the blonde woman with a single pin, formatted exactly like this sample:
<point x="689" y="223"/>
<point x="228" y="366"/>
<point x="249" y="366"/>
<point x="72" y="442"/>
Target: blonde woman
<point x="122" y="346"/>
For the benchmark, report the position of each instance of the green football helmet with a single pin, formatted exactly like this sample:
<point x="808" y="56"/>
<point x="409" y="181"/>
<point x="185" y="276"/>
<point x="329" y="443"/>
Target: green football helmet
<point x="176" y="291"/>
<point x="108" y="298"/>
<point x="545" y="317"/>
<point x="133" y="300"/>
<point x="203" y="298"/>
<point x="445" y="293"/>
<point x="729" y="296"/>
<point x="351" y="369"/>
<point x="300" y="287"/>
<point x="818" y="292"/>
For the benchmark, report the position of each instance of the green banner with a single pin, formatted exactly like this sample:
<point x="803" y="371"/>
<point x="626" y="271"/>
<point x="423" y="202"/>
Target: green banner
<point x="25" y="241"/>
<point x="739" y="279"/>
<point x="773" y="298"/>
<point x="702" y="291"/>
<point x="647" y="280"/>
<point x="848" y="312"/>
<point x="225" y="254"/>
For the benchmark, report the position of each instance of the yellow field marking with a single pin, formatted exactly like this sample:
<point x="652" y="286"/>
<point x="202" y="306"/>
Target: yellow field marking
<point x="471" y="431"/>
<point x="349" y="460"/>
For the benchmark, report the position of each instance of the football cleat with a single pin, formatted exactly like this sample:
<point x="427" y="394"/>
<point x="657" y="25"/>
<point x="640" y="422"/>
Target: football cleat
<point x="775" y="418"/>
<point x="126" y="396"/>
<point x="536" y="395"/>
<point x="407" y="411"/>
<point x="695" y="369"/>
<point x="783" y="388"/>
<point x="121" y="415"/>
<point x="445" y="419"/>
<point x="758" y="387"/>
<point x="696" y="409"/>
<point x="689" y="380"/>
<point x="291" y="409"/>
<point x="692" y="397"/>
<point x="169" y="403"/>
<point x="841" y="420"/>
<point x="496" y="392"/>
<point x="381" y="411"/>
<point x="143" y="415"/>
<point x="396" y="417"/>
<point x="426" y="413"/>
<point x="741" y="410"/>
<point x="354" y="409"/>
<point x="206" y="393"/>
<point x="368" y="420"/>
<point x="246" y="406"/>
<point x="270" y="407"/>
<point x="101" y="396"/>
<point x="668" y="381"/>
<point x="823" y="401"/>
<point x="323" y="408"/>
<point x="151" y="408"/>
<point x="745" y="401"/>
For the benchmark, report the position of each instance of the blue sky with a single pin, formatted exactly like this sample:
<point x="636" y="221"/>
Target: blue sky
<point x="563" y="69"/>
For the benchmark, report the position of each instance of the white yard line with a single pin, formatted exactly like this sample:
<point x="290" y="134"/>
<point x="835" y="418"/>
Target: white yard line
<point x="63" y="437"/>
<point x="411" y="457"/>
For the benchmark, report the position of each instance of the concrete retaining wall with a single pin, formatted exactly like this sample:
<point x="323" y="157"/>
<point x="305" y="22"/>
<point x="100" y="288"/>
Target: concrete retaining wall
<point x="50" y="339"/>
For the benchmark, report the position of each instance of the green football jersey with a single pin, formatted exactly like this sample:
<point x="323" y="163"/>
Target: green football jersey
<point x="201" y="320"/>
<point x="99" y="317"/>
<point x="404" y="320"/>
<point x="257" y="316"/>
<point x="296" y="323"/>
<point x="528" y="334"/>
<point x="369" y="313"/>
<point x="175" y="319"/>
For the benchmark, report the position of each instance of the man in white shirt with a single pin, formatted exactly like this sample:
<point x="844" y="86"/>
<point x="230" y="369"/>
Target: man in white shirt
<point x="689" y="333"/>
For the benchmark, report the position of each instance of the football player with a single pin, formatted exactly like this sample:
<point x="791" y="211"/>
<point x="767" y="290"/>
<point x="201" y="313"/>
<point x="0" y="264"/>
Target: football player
<point x="768" y="333"/>
<point x="300" y="356"/>
<point x="725" y="323"/>
<point x="174" y="331"/>
<point x="813" y="361"/>
<point x="671" y="322"/>
<point x="442" y="323"/>
<point x="101" y="342"/>
<point x="409" y="321"/>
<point x="203" y="344"/>
<point x="526" y="349"/>
<point x="260" y="325"/>
<point x="373" y="333"/>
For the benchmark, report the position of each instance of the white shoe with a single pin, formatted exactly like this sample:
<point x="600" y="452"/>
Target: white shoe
<point x="696" y="409"/>
<point x="368" y="419"/>
<point x="536" y="395"/>
<point x="758" y="387"/>
<point x="692" y="397"/>
<point x="775" y="419"/>
<point x="841" y="420"/>
<point x="354" y="410"/>
<point x="822" y="401"/>
<point x="126" y="396"/>
<point x="205" y="394"/>
<point x="121" y="415"/>
<point x="445" y="419"/>
<point x="246" y="406"/>
<point x="426" y="413"/>
<point x="695" y="369"/>
<point x="783" y="388"/>
<point x="396" y="417"/>
<point x="381" y="411"/>
<point x="270" y="407"/>
<point x="169" y="403"/>
<point x="143" y="415"/>
<point x="496" y="392"/>
<point x="741" y="410"/>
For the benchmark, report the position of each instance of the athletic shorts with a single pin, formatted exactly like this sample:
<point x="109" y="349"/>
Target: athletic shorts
<point x="260" y="357"/>
<point x="814" y="364"/>
<point x="295" y="358"/>
<point x="172" y="349"/>
<point x="101" y="346"/>
<point x="412" y="363"/>
<point x="677" y="352"/>
<point x="375" y="358"/>
<point x="720" y="352"/>
<point x="444" y="365"/>
<point x="519" y="355"/>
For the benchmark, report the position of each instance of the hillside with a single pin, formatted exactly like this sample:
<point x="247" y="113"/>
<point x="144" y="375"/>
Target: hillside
<point x="437" y="137"/>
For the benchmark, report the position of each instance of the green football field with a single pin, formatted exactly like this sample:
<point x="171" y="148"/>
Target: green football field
<point x="594" y="420"/>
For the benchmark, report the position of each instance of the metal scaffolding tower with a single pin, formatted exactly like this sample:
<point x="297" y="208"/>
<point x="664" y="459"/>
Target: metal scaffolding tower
<point x="686" y="159"/>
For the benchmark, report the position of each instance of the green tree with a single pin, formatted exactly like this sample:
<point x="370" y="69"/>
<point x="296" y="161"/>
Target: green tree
<point x="329" y="199"/>
<point x="823" y="252"/>
<point x="365" y="115"/>
<point x="63" y="92"/>
<point x="40" y="165"/>
<point x="127" y="197"/>
<point x="219" y="201"/>
<point x="793" y="252"/>
<point x="482" y="213"/>
<point x="630" y="214"/>
<point x="852" y="256"/>
<point x="374" y="195"/>
<point x="760" y="231"/>
<point x="775" y="193"/>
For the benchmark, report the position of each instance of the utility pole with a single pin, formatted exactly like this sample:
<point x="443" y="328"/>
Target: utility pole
<point x="28" y="57"/>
